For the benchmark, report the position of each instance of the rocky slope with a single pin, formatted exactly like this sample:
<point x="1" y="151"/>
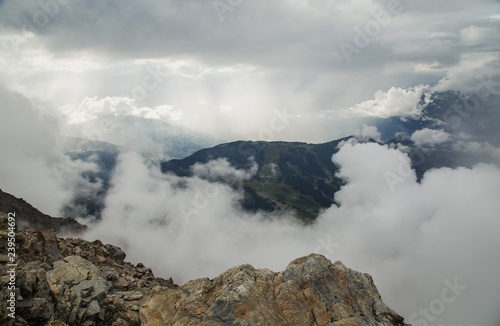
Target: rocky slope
<point x="29" y="216"/>
<point x="71" y="281"/>
<point x="311" y="291"/>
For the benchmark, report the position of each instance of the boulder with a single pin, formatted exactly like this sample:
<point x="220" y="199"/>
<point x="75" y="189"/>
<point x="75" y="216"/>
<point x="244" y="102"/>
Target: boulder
<point x="311" y="291"/>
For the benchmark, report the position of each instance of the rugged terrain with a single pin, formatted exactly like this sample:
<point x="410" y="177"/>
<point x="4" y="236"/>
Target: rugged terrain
<point x="71" y="281"/>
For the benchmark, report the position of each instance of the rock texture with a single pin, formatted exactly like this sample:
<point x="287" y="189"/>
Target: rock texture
<point x="311" y="291"/>
<point x="71" y="281"/>
<point x="74" y="282"/>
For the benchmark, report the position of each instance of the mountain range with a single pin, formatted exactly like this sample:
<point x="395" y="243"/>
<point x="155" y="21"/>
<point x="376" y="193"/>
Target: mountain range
<point x="290" y="176"/>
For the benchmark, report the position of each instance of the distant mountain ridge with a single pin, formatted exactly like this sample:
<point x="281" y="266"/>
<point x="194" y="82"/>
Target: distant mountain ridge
<point x="298" y="176"/>
<point x="291" y="175"/>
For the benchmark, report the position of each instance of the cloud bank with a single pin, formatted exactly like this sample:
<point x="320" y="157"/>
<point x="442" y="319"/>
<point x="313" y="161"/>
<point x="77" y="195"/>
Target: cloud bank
<point x="33" y="165"/>
<point x="413" y="238"/>
<point x="182" y="55"/>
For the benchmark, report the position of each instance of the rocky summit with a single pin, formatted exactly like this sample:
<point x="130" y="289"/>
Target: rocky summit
<point x="311" y="291"/>
<point x="71" y="281"/>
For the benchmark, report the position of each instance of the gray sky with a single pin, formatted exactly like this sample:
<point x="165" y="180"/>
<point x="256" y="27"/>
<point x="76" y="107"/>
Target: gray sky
<point x="223" y="69"/>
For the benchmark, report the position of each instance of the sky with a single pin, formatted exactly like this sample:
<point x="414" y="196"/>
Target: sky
<point x="225" y="68"/>
<point x="309" y="71"/>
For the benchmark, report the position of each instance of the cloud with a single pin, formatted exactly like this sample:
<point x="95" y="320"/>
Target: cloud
<point x="395" y="102"/>
<point x="477" y="148"/>
<point x="369" y="132"/>
<point x="189" y="227"/>
<point x="237" y="71"/>
<point x="221" y="170"/>
<point x="34" y="165"/>
<point x="93" y="108"/>
<point x="411" y="237"/>
<point x="430" y="137"/>
<point x="479" y="36"/>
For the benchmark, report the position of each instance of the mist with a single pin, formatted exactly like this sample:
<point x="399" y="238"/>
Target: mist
<point x="415" y="239"/>
<point x="33" y="164"/>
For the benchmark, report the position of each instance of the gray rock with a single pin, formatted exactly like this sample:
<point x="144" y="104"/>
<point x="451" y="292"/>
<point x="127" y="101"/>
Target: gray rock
<point x="311" y="291"/>
<point x="93" y="309"/>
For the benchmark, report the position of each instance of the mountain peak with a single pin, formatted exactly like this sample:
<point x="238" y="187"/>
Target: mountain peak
<point x="311" y="291"/>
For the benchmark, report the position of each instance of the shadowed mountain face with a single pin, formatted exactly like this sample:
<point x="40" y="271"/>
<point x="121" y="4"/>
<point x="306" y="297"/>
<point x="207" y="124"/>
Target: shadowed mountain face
<point x="291" y="175"/>
<point x="29" y="216"/>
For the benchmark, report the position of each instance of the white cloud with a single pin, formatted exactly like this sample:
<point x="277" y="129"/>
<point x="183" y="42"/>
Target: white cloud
<point x="479" y="35"/>
<point x="410" y="237"/>
<point x="430" y="137"/>
<point x="188" y="227"/>
<point x="221" y="170"/>
<point x="34" y="166"/>
<point x="224" y="66"/>
<point x="93" y="108"/>
<point x="396" y="101"/>
<point x="414" y="236"/>
<point x="475" y="73"/>
<point x="367" y="132"/>
<point x="477" y="148"/>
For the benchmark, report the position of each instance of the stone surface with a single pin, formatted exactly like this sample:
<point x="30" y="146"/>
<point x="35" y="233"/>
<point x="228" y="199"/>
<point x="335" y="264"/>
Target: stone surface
<point x="71" y="281"/>
<point x="311" y="291"/>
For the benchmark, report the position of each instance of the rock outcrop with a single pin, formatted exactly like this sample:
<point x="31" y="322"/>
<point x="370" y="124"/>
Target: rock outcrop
<point x="311" y="291"/>
<point x="71" y="281"/>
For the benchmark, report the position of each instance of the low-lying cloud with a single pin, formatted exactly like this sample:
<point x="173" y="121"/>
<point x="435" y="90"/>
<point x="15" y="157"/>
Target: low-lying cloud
<point x="413" y="238"/>
<point x="33" y="165"/>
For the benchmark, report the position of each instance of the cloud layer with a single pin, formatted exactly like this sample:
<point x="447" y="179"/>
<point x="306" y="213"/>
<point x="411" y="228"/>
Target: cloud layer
<point x="262" y="56"/>
<point x="34" y="166"/>
<point x="413" y="238"/>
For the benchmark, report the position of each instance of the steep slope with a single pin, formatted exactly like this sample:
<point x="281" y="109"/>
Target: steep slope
<point x="29" y="216"/>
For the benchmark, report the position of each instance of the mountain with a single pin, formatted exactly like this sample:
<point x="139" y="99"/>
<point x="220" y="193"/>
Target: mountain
<point x="301" y="177"/>
<point x="71" y="281"/>
<point x="291" y="175"/>
<point x="29" y="216"/>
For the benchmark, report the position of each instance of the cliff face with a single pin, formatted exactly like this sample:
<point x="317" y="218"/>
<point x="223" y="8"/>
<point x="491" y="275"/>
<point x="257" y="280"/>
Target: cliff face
<point x="71" y="281"/>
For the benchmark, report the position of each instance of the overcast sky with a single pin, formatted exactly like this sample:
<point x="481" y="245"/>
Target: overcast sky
<point x="226" y="69"/>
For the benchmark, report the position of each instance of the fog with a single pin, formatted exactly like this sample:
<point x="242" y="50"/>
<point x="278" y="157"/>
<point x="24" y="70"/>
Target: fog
<point x="413" y="238"/>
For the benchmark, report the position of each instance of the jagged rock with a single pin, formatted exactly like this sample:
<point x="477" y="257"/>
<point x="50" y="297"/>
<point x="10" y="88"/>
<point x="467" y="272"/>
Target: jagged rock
<point x="54" y="286"/>
<point x="93" y="309"/>
<point x="311" y="291"/>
